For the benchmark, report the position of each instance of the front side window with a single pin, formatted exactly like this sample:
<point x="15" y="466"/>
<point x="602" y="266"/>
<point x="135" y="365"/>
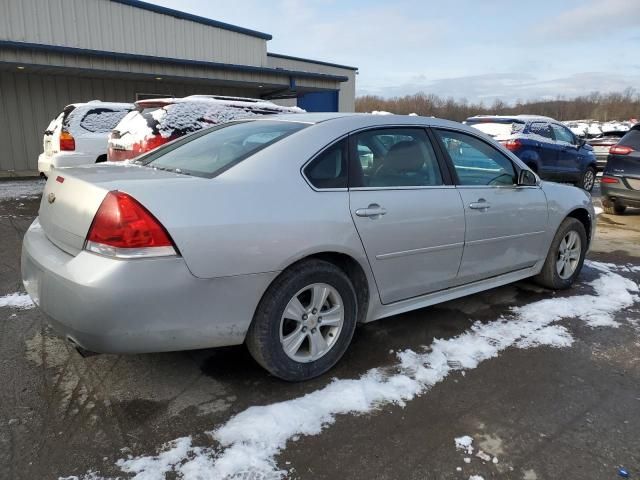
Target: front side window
<point x="563" y="134"/>
<point x="395" y="157"/>
<point x="477" y="162"/>
<point x="329" y="169"/>
<point x="542" y="129"/>
<point x="215" y="150"/>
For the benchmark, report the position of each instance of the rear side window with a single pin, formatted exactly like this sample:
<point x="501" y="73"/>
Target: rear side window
<point x="563" y="134"/>
<point x="395" y="157"/>
<point x="329" y="169"/>
<point x="102" y="120"/>
<point x="476" y="162"/>
<point x="631" y="139"/>
<point x="213" y="151"/>
<point x="542" y="129"/>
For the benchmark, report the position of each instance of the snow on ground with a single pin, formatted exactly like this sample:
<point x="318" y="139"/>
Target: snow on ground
<point x="17" y="300"/>
<point x="14" y="189"/>
<point x="598" y="210"/>
<point x="250" y="440"/>
<point x="464" y="443"/>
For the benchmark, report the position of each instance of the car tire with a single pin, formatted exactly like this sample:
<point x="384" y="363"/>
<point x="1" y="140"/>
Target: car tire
<point x="272" y="323"/>
<point x="588" y="179"/>
<point x="553" y="275"/>
<point x="611" y="208"/>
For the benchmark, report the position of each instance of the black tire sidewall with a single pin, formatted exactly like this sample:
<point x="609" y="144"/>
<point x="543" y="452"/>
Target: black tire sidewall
<point x="263" y="338"/>
<point x="550" y="275"/>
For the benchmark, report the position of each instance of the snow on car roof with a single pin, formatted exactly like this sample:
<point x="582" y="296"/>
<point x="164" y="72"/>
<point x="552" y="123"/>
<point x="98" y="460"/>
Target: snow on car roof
<point x="224" y="101"/>
<point x="101" y="104"/>
<point x="521" y="117"/>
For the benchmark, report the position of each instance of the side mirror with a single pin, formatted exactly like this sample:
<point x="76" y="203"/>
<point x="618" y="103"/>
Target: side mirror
<point x="581" y="142"/>
<point x="526" y="178"/>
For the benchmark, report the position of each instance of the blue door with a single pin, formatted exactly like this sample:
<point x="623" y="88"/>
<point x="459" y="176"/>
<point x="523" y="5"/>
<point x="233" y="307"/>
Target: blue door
<point x="319" y="101"/>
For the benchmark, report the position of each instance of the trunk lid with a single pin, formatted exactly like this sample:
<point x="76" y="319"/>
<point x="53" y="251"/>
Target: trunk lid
<point x="72" y="197"/>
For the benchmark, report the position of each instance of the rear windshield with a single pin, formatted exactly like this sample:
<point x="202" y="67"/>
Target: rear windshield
<point x="102" y="120"/>
<point x="631" y="139"/>
<point x="498" y="130"/>
<point x="213" y="151"/>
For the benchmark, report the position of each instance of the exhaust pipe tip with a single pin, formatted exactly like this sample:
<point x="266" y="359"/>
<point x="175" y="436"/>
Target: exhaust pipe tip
<point x="84" y="353"/>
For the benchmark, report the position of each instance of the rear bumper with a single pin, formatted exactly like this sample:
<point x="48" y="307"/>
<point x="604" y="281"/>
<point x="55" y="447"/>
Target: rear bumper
<point x="620" y="193"/>
<point x="64" y="159"/>
<point x="145" y="305"/>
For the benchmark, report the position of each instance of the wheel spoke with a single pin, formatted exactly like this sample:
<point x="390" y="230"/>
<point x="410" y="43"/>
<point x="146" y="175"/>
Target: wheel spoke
<point x="294" y="310"/>
<point x="559" y="266"/>
<point x="332" y="317"/>
<point x="319" y="296"/>
<point x="563" y="245"/>
<point x="574" y="254"/>
<point x="292" y="342"/>
<point x="572" y="240"/>
<point x="318" y="343"/>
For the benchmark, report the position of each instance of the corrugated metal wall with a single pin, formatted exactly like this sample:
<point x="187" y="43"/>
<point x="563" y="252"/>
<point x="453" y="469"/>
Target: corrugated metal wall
<point x="28" y="102"/>
<point x="105" y="25"/>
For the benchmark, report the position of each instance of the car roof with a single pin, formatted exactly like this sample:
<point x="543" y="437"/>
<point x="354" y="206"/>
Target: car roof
<point x="363" y="120"/>
<point x="522" y="118"/>
<point x="101" y="104"/>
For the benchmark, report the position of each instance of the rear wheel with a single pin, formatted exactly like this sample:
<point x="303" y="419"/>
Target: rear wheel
<point x="588" y="179"/>
<point x="613" y="208"/>
<point x="305" y="321"/>
<point x="565" y="257"/>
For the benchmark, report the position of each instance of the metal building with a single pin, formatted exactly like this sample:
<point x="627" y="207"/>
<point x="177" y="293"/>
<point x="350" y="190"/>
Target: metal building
<point x="57" y="52"/>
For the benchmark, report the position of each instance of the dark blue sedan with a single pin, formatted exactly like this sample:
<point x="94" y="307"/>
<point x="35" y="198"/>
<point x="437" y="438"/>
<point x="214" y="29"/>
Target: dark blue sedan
<point x="547" y="146"/>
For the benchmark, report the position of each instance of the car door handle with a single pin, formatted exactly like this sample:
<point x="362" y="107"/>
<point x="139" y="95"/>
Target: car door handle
<point x="481" y="204"/>
<point x="372" y="211"/>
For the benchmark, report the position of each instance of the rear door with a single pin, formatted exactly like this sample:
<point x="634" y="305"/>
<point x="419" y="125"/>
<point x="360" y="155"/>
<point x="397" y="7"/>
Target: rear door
<point x="545" y="147"/>
<point x="568" y="160"/>
<point x="505" y="223"/>
<point x="408" y="215"/>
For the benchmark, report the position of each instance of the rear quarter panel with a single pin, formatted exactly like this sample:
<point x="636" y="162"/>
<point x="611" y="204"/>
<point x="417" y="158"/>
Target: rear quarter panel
<point x="562" y="200"/>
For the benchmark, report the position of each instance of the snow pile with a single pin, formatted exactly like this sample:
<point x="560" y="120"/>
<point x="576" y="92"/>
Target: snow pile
<point x="251" y="439"/>
<point x="21" y="188"/>
<point x="464" y="443"/>
<point x="21" y="301"/>
<point x="595" y="128"/>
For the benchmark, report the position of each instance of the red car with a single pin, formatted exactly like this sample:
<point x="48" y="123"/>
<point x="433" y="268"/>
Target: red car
<point x="155" y="122"/>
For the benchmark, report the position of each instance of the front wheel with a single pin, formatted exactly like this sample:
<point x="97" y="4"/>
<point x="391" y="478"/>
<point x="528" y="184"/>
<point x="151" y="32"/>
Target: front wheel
<point x="565" y="257"/>
<point x="588" y="179"/>
<point x="305" y="321"/>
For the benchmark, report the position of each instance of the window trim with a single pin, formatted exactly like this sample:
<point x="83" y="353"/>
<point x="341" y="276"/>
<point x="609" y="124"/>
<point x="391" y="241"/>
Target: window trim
<point x="445" y="175"/>
<point x="320" y="152"/>
<point x="517" y="168"/>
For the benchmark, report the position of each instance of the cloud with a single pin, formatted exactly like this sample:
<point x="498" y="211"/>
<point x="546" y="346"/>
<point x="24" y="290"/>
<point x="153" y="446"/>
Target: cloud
<point x="585" y="21"/>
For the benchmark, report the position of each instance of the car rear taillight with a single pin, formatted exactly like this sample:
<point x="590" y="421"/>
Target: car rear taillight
<point x="150" y="143"/>
<point x="620" y="150"/>
<point x="67" y="142"/>
<point x="123" y="228"/>
<point x="512" y="145"/>
<point x="606" y="179"/>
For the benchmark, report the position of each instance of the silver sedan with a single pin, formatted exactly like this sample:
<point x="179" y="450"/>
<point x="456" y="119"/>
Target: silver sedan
<point x="284" y="233"/>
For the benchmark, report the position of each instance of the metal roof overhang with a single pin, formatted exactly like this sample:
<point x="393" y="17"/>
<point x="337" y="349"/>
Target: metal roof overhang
<point x="38" y="47"/>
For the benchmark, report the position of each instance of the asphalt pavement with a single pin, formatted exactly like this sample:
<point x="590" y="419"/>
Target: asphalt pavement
<point x="543" y="413"/>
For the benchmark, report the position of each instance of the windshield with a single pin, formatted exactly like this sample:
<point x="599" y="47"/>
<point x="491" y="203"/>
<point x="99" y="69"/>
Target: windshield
<point x="211" y="152"/>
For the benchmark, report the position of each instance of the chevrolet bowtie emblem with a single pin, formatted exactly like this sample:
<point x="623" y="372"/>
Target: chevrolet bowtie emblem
<point x="51" y="197"/>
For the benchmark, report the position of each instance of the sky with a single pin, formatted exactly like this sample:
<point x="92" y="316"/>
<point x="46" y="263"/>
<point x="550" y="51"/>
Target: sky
<point x="478" y="50"/>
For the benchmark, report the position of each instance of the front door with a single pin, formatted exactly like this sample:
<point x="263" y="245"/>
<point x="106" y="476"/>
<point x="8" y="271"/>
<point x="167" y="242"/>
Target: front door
<point x="505" y="222"/>
<point x="567" y="152"/>
<point x="410" y="221"/>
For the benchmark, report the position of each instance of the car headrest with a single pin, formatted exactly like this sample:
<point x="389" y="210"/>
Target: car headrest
<point x="405" y="156"/>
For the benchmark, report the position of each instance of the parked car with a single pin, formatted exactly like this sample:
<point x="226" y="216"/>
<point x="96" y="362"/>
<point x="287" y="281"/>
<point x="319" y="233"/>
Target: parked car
<point x="548" y="147"/>
<point x="78" y="136"/>
<point x="620" y="183"/>
<point x="155" y="122"/>
<point x="602" y="144"/>
<point x="270" y="232"/>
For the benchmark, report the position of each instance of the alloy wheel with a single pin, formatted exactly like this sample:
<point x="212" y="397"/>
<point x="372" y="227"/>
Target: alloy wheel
<point x="569" y="255"/>
<point x="311" y="322"/>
